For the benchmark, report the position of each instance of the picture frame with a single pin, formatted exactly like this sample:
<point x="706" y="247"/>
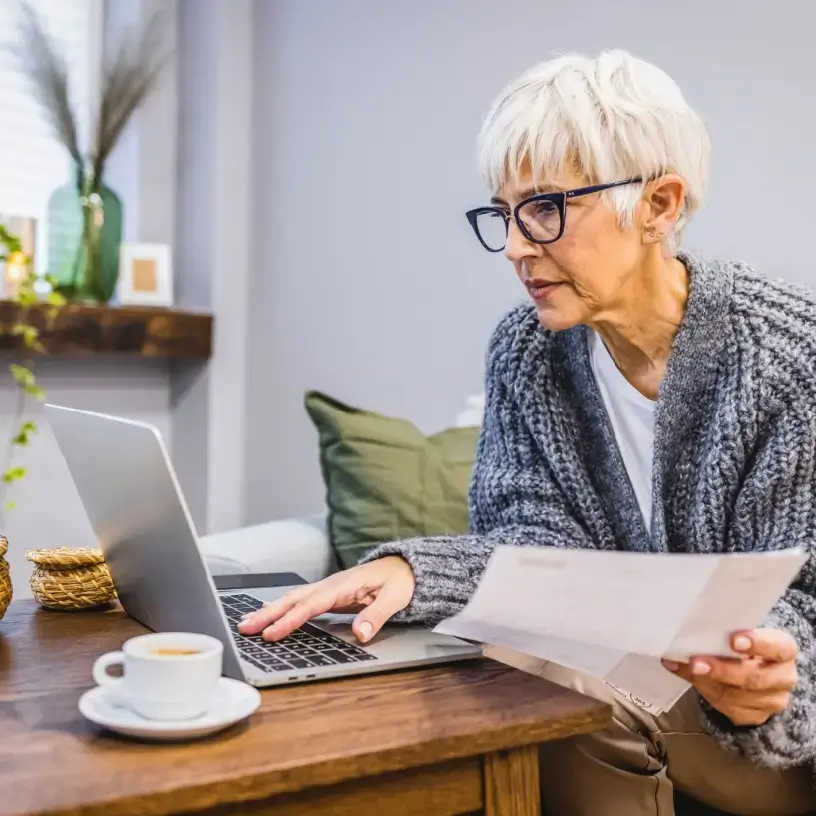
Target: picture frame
<point x="145" y="275"/>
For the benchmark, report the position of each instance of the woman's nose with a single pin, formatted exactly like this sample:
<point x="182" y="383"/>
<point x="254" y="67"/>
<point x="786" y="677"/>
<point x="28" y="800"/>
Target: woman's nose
<point x="517" y="247"/>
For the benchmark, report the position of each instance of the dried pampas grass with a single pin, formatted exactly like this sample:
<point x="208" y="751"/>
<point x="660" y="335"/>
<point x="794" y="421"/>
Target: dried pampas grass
<point x="129" y="74"/>
<point x="48" y="74"/>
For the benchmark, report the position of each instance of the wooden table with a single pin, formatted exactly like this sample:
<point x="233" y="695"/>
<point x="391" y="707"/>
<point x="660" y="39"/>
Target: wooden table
<point x="445" y="740"/>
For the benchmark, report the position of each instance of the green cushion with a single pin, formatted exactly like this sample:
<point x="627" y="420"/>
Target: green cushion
<point x="386" y="480"/>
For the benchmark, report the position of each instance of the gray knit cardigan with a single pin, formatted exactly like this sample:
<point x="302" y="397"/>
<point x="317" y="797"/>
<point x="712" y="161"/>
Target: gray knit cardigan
<point x="734" y="464"/>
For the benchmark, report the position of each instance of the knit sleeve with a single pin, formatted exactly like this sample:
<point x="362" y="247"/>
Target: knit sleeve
<point x="513" y="500"/>
<point x="775" y="509"/>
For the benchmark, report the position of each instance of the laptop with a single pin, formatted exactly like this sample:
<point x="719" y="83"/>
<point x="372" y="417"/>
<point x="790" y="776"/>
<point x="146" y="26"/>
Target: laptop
<point x="133" y="500"/>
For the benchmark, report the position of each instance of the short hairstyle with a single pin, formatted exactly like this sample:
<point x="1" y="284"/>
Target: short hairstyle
<point x="612" y="117"/>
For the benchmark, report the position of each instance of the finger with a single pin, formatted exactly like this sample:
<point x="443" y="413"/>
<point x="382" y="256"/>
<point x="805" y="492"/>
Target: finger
<point x="728" y="699"/>
<point x="697" y="672"/>
<point x="304" y="610"/>
<point x="769" y="644"/>
<point x="256" y="621"/>
<point x="680" y="669"/>
<point x="392" y="598"/>
<point x="751" y="674"/>
<point x="725" y="697"/>
<point x="771" y="702"/>
<point x="273" y="611"/>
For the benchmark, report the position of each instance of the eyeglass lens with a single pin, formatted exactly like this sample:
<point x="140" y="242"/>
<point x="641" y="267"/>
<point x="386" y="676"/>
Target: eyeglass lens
<point x="540" y="221"/>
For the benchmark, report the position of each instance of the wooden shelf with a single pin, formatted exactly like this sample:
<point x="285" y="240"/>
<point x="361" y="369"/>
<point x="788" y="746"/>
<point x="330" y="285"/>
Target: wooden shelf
<point x="132" y="331"/>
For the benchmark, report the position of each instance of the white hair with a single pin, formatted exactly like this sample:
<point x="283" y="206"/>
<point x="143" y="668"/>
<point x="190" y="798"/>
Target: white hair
<point x="611" y="117"/>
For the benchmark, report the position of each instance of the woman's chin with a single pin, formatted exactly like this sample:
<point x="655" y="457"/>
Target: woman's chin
<point x="555" y="319"/>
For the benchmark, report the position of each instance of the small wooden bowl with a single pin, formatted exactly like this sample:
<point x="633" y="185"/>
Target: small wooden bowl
<point x="70" y="578"/>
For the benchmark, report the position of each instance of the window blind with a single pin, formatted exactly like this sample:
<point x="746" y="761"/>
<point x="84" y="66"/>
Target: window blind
<point x="32" y="161"/>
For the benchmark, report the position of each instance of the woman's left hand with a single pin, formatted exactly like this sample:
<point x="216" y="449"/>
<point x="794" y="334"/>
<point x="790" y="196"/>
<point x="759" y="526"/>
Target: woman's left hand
<point x="751" y="689"/>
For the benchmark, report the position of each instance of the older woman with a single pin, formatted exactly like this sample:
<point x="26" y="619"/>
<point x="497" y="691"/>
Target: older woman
<point x="644" y="399"/>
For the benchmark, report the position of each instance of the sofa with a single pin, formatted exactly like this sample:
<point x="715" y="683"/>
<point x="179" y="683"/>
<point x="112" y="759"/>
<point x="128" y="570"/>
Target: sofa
<point x="299" y="545"/>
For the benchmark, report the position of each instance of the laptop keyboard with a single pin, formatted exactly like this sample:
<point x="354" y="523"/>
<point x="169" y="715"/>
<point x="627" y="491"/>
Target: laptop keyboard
<point x="307" y="647"/>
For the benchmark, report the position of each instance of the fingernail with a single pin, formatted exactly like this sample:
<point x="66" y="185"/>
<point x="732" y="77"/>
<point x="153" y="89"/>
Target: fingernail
<point x="671" y="665"/>
<point x="366" y="630"/>
<point x="742" y="643"/>
<point x="700" y="668"/>
<point x="247" y="615"/>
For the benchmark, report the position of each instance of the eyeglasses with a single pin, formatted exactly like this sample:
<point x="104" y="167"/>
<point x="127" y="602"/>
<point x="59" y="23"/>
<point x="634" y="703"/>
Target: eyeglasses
<point x="541" y="218"/>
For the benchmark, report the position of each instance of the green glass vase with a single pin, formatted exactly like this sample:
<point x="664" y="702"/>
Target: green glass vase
<point x="84" y="235"/>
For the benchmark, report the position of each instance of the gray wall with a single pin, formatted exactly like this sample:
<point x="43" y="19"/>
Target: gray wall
<point x="214" y="248"/>
<point x="367" y="283"/>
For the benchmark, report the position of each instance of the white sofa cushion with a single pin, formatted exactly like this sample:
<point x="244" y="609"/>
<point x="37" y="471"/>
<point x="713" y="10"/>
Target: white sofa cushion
<point x="473" y="413"/>
<point x="292" y="545"/>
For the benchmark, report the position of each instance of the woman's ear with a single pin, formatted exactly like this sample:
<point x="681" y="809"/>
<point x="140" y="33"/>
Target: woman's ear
<point x="663" y="197"/>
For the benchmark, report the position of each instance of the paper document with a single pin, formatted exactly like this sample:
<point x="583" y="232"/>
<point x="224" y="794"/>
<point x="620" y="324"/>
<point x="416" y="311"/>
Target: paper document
<point x="615" y="614"/>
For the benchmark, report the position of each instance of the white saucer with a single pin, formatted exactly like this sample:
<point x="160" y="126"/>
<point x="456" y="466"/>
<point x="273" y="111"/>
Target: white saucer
<point x="234" y="701"/>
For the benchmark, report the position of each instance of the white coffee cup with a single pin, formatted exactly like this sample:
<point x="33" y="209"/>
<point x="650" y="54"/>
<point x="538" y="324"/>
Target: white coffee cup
<point x="166" y="676"/>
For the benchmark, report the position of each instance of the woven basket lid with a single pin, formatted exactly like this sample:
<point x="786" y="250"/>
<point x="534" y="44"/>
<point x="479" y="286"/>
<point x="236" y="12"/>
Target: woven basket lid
<point x="64" y="558"/>
<point x="3" y="545"/>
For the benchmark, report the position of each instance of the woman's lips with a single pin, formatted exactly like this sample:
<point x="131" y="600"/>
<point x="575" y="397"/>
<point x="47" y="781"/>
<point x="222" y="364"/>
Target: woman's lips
<point x="540" y="289"/>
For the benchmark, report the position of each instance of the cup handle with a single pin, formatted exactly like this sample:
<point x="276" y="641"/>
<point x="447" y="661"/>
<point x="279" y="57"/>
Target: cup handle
<point x="100" y="670"/>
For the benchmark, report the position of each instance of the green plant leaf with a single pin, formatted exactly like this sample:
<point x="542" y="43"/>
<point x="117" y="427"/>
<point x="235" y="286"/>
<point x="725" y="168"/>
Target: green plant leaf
<point x="30" y="334"/>
<point x="9" y="241"/>
<point x="24" y="376"/>
<point x="23" y="436"/>
<point x="35" y="392"/>
<point x="13" y="474"/>
<point x="27" y="297"/>
<point x="30" y="337"/>
<point x="55" y="299"/>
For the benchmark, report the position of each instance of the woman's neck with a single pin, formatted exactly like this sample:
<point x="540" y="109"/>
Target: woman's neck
<point x="639" y="331"/>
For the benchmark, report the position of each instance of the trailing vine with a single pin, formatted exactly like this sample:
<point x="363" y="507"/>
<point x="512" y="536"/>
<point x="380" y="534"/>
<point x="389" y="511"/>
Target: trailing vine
<point x="32" y="315"/>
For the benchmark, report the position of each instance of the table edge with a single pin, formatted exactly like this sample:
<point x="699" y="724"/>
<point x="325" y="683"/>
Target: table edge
<point x="258" y="785"/>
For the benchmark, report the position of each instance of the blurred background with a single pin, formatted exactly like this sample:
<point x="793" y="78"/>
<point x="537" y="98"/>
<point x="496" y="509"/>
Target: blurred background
<point x="308" y="163"/>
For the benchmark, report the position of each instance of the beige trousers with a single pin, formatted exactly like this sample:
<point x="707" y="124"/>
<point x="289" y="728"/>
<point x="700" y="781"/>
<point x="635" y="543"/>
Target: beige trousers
<point x="634" y="766"/>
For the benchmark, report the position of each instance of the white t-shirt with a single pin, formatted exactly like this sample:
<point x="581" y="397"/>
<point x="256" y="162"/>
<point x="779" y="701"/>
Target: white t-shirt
<point x="632" y="417"/>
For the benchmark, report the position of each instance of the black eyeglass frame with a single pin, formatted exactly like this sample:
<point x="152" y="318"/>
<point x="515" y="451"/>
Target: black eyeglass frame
<point x="560" y="201"/>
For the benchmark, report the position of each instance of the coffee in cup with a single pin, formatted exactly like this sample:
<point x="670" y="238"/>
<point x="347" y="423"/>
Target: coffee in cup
<point x="166" y="675"/>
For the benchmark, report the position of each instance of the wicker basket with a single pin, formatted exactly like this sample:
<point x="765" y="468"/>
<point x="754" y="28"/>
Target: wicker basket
<point x="70" y="578"/>
<point x="5" y="577"/>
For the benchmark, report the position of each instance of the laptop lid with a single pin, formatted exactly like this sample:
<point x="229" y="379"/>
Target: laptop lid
<point x="134" y="503"/>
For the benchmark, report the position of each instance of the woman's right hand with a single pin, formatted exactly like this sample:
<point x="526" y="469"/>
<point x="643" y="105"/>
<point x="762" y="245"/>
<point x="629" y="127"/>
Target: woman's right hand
<point x="379" y="588"/>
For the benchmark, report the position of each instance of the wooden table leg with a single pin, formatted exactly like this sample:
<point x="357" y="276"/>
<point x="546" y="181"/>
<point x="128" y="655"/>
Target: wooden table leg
<point x="511" y="783"/>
